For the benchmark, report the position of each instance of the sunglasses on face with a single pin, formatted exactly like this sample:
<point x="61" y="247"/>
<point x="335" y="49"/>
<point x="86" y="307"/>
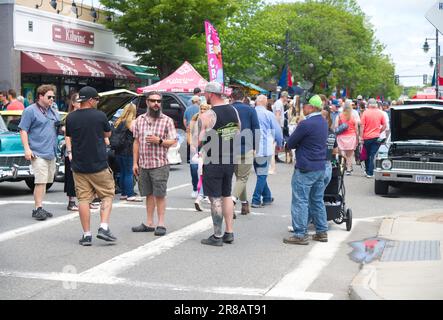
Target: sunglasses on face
<point x="96" y="98"/>
<point x="155" y="100"/>
<point x="50" y="97"/>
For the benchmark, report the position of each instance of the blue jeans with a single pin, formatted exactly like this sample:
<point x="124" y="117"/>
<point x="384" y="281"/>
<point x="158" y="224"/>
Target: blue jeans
<point x="326" y="180"/>
<point x="371" y="148"/>
<point x="307" y="198"/>
<point x="194" y="176"/>
<point x="261" y="166"/>
<point x="126" y="176"/>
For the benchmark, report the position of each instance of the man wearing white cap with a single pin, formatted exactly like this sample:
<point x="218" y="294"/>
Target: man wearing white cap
<point x="219" y="127"/>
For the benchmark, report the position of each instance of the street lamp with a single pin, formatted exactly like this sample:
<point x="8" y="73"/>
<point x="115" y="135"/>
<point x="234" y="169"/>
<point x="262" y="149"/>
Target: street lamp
<point x="437" y="60"/>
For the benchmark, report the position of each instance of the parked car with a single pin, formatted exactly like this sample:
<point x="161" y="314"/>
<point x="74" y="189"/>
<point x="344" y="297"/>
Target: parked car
<point x="13" y="165"/>
<point x="414" y="151"/>
<point x="12" y="120"/>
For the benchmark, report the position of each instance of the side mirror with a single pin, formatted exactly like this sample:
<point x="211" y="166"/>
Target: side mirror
<point x="175" y="106"/>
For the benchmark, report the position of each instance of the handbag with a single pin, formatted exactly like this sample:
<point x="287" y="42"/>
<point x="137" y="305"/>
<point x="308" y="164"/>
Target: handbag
<point x="363" y="153"/>
<point x="343" y="126"/>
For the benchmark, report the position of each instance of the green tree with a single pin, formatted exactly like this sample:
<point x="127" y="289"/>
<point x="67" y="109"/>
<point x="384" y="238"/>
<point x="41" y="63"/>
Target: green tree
<point x="165" y="33"/>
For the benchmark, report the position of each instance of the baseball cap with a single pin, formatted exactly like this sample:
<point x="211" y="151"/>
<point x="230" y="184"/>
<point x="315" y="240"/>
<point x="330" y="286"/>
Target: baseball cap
<point x="284" y="94"/>
<point x="359" y="97"/>
<point x="316" y="101"/>
<point x="335" y="102"/>
<point x="214" y="87"/>
<point x="87" y="93"/>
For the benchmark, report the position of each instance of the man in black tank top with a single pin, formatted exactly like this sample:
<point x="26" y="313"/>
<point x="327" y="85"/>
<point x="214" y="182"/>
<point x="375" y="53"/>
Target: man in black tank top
<point x="219" y="127"/>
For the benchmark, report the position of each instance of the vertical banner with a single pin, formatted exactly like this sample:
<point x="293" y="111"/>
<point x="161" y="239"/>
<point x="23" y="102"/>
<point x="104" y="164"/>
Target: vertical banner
<point x="213" y="49"/>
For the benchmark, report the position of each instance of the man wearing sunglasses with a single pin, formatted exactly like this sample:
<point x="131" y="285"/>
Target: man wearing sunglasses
<point x="154" y="132"/>
<point x="38" y="132"/>
<point x="86" y="130"/>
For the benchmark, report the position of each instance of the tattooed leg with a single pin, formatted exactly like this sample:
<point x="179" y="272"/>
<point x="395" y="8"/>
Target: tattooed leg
<point x="217" y="215"/>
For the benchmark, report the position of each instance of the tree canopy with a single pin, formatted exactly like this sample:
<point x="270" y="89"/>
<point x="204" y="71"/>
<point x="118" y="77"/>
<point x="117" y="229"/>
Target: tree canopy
<point x="331" y="44"/>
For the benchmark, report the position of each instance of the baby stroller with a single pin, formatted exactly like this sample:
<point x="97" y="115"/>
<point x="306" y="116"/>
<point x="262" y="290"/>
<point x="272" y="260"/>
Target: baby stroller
<point x="334" y="197"/>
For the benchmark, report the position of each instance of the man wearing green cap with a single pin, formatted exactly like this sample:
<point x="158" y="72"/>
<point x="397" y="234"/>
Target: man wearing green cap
<point x="309" y="140"/>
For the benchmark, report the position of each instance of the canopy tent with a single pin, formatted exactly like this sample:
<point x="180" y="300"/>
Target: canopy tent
<point x="252" y="88"/>
<point x="184" y="79"/>
<point x="142" y="72"/>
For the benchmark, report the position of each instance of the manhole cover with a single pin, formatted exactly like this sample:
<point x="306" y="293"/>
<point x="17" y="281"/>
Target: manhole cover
<point x="411" y="250"/>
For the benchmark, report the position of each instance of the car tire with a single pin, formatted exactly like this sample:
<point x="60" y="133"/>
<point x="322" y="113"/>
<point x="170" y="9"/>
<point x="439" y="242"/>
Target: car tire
<point x="30" y="183"/>
<point x="381" y="187"/>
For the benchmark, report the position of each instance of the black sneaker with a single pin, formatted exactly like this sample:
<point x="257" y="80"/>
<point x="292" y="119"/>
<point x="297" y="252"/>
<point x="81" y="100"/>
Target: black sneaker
<point x="39" y="214"/>
<point x="49" y="214"/>
<point x="213" y="241"/>
<point x="85" y="241"/>
<point x="105" y="235"/>
<point x="228" y="237"/>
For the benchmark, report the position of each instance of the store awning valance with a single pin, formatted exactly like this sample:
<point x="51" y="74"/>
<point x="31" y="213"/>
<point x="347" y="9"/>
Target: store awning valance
<point x="141" y="72"/>
<point x="250" y="86"/>
<point x="32" y="62"/>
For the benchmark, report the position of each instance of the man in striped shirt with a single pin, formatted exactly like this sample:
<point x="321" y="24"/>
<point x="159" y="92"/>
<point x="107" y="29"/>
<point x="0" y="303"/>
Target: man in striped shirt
<point x="154" y="133"/>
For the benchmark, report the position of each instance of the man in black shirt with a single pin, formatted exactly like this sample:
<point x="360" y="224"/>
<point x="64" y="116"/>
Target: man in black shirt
<point x="86" y="130"/>
<point x="220" y="126"/>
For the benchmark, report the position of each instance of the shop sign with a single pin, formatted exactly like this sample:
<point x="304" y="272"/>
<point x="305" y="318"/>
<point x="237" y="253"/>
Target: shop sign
<point x="72" y="36"/>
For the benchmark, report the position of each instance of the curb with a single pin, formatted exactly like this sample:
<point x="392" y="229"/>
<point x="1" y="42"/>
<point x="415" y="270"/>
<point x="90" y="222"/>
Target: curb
<point x="360" y="288"/>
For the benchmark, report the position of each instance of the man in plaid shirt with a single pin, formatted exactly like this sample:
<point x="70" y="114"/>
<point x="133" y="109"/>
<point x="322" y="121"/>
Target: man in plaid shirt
<point x="154" y="133"/>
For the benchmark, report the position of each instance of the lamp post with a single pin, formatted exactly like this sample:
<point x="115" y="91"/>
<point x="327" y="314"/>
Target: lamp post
<point x="437" y="61"/>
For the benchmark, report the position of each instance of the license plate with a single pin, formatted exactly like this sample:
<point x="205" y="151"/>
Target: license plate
<point x="423" y="179"/>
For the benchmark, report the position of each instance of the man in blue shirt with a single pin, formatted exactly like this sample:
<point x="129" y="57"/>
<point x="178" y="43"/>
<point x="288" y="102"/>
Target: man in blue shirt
<point x="309" y="140"/>
<point x="38" y="132"/>
<point x="270" y="131"/>
<point x="245" y="146"/>
<point x="190" y="111"/>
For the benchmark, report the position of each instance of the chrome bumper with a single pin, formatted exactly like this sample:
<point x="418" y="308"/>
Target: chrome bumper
<point x="15" y="172"/>
<point x="409" y="176"/>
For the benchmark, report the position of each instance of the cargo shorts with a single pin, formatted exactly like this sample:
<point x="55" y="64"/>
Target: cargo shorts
<point x="87" y="185"/>
<point x="154" y="181"/>
<point x="44" y="170"/>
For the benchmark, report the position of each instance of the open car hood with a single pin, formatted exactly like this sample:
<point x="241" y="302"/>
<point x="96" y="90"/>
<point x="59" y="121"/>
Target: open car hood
<point x="418" y="122"/>
<point x="111" y="101"/>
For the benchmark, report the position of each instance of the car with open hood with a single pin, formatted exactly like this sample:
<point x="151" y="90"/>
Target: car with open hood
<point x="414" y="151"/>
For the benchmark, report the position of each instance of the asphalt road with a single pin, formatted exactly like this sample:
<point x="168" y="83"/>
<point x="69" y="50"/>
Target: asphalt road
<point x="42" y="260"/>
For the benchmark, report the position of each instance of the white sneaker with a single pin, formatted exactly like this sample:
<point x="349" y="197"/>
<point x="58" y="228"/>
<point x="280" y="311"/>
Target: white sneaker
<point x="369" y="176"/>
<point x="206" y="199"/>
<point x="194" y="194"/>
<point x="290" y="229"/>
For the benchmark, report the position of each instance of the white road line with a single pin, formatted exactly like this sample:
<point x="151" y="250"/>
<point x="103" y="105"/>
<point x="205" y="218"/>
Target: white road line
<point x="8" y="235"/>
<point x="179" y="187"/>
<point x="300" y="279"/>
<point x="80" y="278"/>
<point x="150" y="250"/>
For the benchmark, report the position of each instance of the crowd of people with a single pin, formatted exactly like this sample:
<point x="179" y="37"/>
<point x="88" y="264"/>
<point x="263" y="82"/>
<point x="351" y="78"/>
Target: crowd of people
<point x="226" y="137"/>
<point x="10" y="101"/>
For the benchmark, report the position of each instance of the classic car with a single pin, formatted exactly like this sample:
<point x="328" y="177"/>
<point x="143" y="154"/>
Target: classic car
<point x="13" y="165"/>
<point x="12" y="119"/>
<point x="414" y="151"/>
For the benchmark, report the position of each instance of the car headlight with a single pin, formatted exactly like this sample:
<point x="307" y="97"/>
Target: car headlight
<point x="386" y="164"/>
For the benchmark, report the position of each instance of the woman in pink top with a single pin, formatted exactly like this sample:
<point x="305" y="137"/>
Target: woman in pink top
<point x="347" y="140"/>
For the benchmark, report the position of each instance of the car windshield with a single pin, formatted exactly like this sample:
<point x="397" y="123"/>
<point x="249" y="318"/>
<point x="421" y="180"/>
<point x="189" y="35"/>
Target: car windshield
<point x="186" y="97"/>
<point x="11" y="122"/>
<point x="2" y="125"/>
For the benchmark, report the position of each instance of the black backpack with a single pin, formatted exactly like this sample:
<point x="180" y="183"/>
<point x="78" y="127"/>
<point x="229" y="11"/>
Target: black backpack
<point x="118" y="139"/>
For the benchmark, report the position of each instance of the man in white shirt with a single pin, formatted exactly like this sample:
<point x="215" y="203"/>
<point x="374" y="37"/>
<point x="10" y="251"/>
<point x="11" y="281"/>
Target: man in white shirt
<point x="278" y="108"/>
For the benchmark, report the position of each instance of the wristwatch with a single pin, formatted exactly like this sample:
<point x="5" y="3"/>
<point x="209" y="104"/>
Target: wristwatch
<point x="160" y="142"/>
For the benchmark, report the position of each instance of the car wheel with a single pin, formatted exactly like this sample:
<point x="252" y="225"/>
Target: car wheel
<point x="30" y="183"/>
<point x="381" y="187"/>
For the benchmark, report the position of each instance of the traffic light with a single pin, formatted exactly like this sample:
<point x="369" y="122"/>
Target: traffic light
<point x="425" y="79"/>
<point x="397" y="79"/>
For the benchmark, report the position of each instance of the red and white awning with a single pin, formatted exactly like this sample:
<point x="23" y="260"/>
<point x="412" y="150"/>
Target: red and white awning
<point x="32" y="62"/>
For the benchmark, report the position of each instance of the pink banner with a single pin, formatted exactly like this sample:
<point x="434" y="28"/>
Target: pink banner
<point x="213" y="49"/>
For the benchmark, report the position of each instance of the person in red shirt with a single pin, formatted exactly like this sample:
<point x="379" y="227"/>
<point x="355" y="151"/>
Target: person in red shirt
<point x="373" y="123"/>
<point x="14" y="104"/>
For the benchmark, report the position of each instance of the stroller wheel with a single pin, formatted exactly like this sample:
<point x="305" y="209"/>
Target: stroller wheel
<point x="348" y="220"/>
<point x="340" y="219"/>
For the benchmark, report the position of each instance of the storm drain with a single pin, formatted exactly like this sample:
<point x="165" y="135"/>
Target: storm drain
<point x="411" y="250"/>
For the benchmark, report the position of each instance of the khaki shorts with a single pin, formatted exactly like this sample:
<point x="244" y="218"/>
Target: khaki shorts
<point x="44" y="170"/>
<point x="87" y="185"/>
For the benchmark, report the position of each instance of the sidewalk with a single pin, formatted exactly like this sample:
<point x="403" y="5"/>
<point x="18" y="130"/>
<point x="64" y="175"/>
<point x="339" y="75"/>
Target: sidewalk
<point x="411" y="266"/>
